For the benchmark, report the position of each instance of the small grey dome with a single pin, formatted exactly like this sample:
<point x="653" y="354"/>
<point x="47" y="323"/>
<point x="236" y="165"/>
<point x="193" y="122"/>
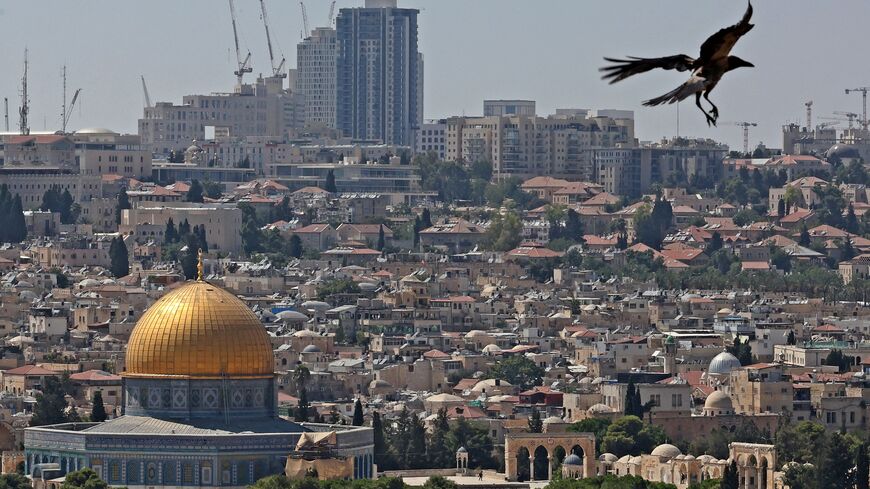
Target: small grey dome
<point x="311" y="349"/>
<point x="723" y="364"/>
<point x="572" y="459"/>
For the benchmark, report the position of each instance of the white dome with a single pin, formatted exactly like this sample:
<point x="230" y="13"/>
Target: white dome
<point x="666" y="450"/>
<point x="572" y="459"/>
<point x="723" y="364"/>
<point x="553" y="419"/>
<point x="474" y="333"/>
<point x="599" y="409"/>
<point x="316" y="305"/>
<point x="95" y="130"/>
<point x="719" y="401"/>
<point x="607" y="457"/>
<point x="491" y="349"/>
<point x="490" y="384"/>
<point x="291" y="315"/>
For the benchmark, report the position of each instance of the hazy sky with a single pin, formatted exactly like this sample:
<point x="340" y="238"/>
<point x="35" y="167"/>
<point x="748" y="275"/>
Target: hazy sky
<point x="547" y="50"/>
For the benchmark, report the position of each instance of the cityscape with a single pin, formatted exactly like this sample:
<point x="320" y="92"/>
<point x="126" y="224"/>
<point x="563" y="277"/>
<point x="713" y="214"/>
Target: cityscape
<point x="334" y="273"/>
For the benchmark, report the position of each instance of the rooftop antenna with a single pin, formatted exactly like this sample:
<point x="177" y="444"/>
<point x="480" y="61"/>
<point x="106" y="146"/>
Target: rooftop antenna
<point x="244" y="66"/>
<point x="25" y="102"/>
<point x="6" y="111"/>
<point x="277" y="71"/>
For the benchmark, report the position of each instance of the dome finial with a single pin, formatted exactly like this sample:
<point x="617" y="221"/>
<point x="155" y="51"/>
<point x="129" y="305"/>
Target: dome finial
<point x="199" y="265"/>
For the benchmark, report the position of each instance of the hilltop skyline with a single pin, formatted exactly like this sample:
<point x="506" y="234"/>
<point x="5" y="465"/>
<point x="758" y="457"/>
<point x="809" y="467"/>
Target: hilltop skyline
<point x="461" y="65"/>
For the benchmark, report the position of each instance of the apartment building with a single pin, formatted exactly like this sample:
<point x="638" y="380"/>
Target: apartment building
<point x="222" y="222"/>
<point x="316" y="58"/>
<point x="264" y="108"/>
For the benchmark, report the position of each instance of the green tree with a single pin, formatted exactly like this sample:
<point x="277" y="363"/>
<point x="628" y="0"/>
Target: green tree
<point x="745" y="217"/>
<point x="862" y="467"/>
<point x="852" y="224"/>
<point x="632" y="406"/>
<point x="631" y="436"/>
<point x="195" y="192"/>
<point x="518" y="371"/>
<point x="83" y="479"/>
<point x="301" y="376"/>
<point x="381" y="243"/>
<point x="170" y="235"/>
<point x="439" y="453"/>
<point x="123" y="203"/>
<point x="780" y="208"/>
<point x="505" y="232"/>
<point x="805" y="239"/>
<point x="596" y="426"/>
<point x="438" y="482"/>
<point x="51" y="406"/>
<point x="252" y="236"/>
<point x="98" y="410"/>
<point x="358" y="417"/>
<point x="16" y="231"/>
<point x="14" y="481"/>
<point x="329" y="185"/>
<point x="730" y="478"/>
<point x="213" y="190"/>
<point x="790" y="339"/>
<point x="476" y="440"/>
<point x="536" y="425"/>
<point x="381" y="450"/>
<point x="295" y="249"/>
<point x="835" y="463"/>
<point x="742" y="350"/>
<point x="120" y="261"/>
<point x="715" y="242"/>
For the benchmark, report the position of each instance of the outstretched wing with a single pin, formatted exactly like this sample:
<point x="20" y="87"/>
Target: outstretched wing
<point x="692" y="86"/>
<point x="719" y="45"/>
<point x="624" y="68"/>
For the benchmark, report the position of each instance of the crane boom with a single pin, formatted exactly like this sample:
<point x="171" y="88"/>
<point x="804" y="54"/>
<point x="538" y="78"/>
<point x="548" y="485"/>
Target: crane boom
<point x="145" y="91"/>
<point x="863" y="90"/>
<point x="72" y="104"/>
<point x="243" y="65"/>
<point x="277" y="71"/>
<point x="331" y="14"/>
<point x="23" y="127"/>
<point x="305" y="28"/>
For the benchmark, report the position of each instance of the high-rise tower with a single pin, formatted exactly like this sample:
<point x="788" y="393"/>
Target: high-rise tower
<point x="379" y="73"/>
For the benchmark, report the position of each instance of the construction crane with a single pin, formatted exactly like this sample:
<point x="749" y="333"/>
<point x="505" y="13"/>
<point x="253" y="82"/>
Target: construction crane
<point x="145" y="91"/>
<point x="25" y="102"/>
<point x="745" y="126"/>
<point x="809" y="106"/>
<point x="277" y="71"/>
<point x="863" y="91"/>
<point x="331" y="14"/>
<point x="850" y="116"/>
<point x="244" y="65"/>
<point x="68" y="112"/>
<point x="305" y="28"/>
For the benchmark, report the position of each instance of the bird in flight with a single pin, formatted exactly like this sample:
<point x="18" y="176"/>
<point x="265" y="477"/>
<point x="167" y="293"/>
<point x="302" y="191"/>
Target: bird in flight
<point x="715" y="60"/>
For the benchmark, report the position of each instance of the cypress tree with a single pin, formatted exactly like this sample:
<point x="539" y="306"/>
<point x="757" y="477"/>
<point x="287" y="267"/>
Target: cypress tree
<point x="535" y="423"/>
<point x="120" y="266"/>
<point x="17" y="229"/>
<point x="195" y="192"/>
<point x="98" y="411"/>
<point x="358" y="417"/>
<point x="295" y="246"/>
<point x="329" y="186"/>
<point x="729" y="477"/>
<point x="862" y="468"/>
<point x="381" y="243"/>
<point x="171" y="234"/>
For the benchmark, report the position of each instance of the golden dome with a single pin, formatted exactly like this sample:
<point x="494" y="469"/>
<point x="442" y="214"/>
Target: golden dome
<point x="199" y="331"/>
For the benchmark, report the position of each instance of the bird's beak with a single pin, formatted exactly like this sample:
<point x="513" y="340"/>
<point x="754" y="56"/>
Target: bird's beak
<point x="749" y="65"/>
